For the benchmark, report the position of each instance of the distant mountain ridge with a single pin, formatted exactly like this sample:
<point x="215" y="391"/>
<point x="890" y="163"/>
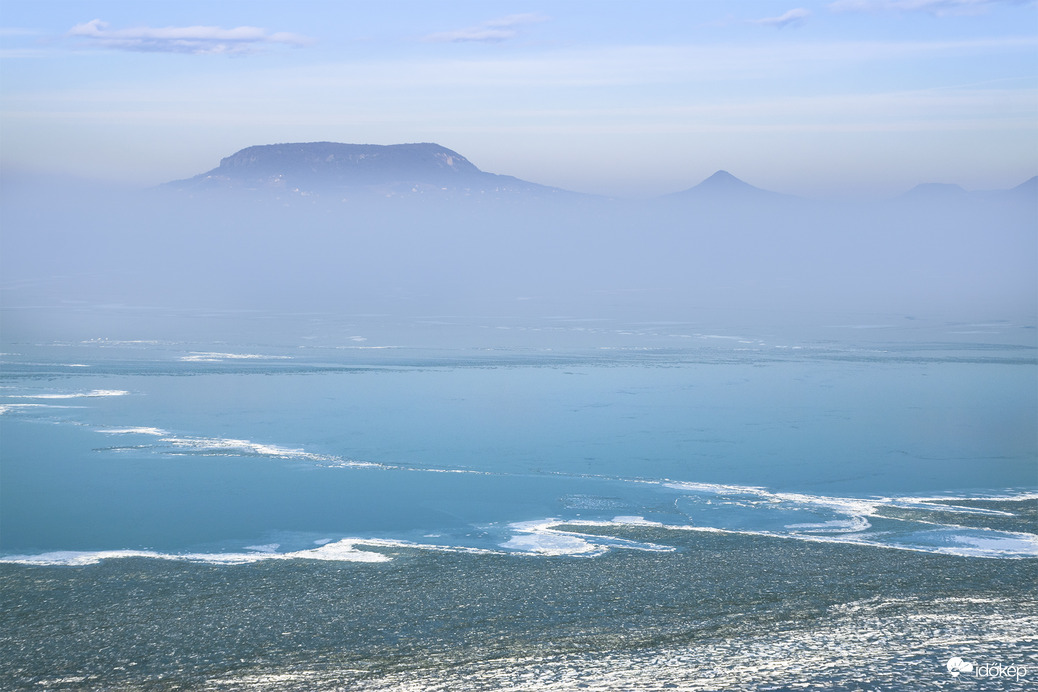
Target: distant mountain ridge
<point x="948" y="193"/>
<point x="333" y="170"/>
<point x="329" y="167"/>
<point x="722" y="186"/>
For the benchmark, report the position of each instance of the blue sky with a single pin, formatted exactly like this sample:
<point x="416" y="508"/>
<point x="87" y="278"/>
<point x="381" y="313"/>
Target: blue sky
<point x="829" y="98"/>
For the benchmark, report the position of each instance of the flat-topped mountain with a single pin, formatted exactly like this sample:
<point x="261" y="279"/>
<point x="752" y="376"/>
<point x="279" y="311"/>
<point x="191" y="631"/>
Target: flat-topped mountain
<point x="330" y="162"/>
<point x="326" y="168"/>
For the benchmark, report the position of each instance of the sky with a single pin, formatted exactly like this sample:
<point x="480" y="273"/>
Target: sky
<point x="832" y="98"/>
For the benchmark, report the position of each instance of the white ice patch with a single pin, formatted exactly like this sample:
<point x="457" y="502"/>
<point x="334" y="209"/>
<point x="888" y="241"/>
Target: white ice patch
<point x="540" y="538"/>
<point x="265" y="548"/>
<point x="944" y="503"/>
<point x="715" y="488"/>
<point x="852" y="525"/>
<point x="551" y="544"/>
<point x="158" y="432"/>
<point x="849" y="513"/>
<point x="757" y="511"/>
<point x="634" y="521"/>
<point x="338" y="551"/>
<point x="945" y="541"/>
<point x="76" y="395"/>
<point x="103" y="341"/>
<point x="212" y="357"/>
<point x="327" y="549"/>
<point x="391" y="543"/>
<point x="996" y="544"/>
<point x="220" y="446"/>
<point x="543" y="537"/>
<point x="7" y="408"/>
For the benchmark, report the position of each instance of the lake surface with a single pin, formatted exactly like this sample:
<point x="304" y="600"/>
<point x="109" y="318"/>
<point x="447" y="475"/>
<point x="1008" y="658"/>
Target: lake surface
<point x="479" y="503"/>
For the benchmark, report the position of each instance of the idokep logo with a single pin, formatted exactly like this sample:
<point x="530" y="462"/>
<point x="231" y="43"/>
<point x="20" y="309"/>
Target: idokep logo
<point x="956" y="665"/>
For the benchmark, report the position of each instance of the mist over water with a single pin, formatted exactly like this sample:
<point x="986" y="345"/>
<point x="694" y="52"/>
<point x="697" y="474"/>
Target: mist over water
<point x="965" y="258"/>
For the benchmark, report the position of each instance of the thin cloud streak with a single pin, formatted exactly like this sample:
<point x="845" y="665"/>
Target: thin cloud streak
<point x="945" y="109"/>
<point x="491" y="31"/>
<point x="936" y="7"/>
<point x="604" y="67"/>
<point x="794" y="17"/>
<point x="400" y="82"/>
<point x="183" y="39"/>
<point x="643" y="65"/>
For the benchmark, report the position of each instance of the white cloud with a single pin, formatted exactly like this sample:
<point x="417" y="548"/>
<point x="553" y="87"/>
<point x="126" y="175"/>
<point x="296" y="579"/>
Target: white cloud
<point x="491" y="31"/>
<point x="937" y="7"/>
<point x="183" y="39"/>
<point x="792" y="17"/>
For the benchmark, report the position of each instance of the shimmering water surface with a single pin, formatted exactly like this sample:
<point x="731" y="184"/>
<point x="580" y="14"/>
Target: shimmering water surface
<point x="588" y="506"/>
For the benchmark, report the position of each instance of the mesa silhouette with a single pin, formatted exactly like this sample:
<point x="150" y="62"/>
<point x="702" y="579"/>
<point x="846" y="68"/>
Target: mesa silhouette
<point x="330" y="168"/>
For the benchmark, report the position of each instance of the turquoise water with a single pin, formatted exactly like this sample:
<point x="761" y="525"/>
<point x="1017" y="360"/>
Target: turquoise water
<point x="185" y="448"/>
<point x="822" y="475"/>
